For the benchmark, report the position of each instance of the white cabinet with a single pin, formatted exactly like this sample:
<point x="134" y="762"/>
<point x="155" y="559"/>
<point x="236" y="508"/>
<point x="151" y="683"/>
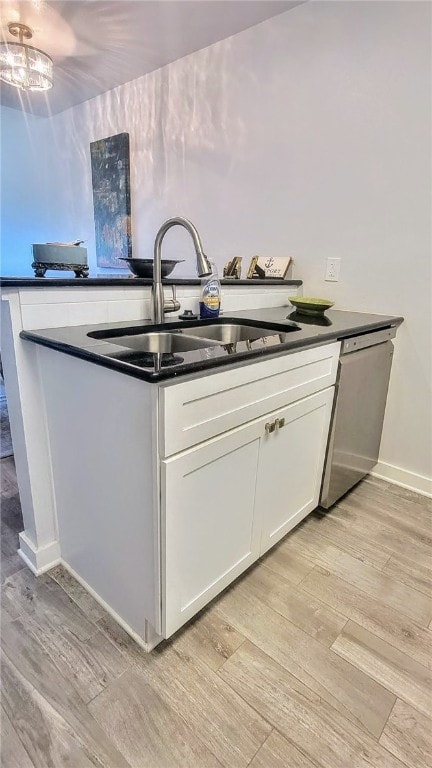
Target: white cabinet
<point x="209" y="531"/>
<point x="290" y="466"/>
<point x="228" y="500"/>
<point x="181" y="486"/>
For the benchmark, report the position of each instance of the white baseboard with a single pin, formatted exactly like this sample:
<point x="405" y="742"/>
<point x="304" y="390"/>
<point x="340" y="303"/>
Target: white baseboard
<point x="150" y="639"/>
<point x="397" y="476"/>
<point x="38" y="559"/>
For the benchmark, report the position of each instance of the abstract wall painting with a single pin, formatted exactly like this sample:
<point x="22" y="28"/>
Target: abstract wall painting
<point x="110" y="167"/>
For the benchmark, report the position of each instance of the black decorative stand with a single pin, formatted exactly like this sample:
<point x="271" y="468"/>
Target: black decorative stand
<point x="40" y="267"/>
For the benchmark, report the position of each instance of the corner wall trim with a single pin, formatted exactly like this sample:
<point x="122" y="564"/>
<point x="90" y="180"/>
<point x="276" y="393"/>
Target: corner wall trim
<point x="398" y="476"/>
<point x="38" y="559"/>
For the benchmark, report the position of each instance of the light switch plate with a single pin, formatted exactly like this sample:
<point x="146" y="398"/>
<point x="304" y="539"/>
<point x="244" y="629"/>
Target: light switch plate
<point x="332" y="270"/>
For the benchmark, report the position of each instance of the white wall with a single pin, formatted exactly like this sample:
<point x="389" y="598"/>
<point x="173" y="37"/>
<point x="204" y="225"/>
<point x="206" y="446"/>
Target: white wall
<point x="308" y="134"/>
<point x="32" y="203"/>
<point x="21" y="211"/>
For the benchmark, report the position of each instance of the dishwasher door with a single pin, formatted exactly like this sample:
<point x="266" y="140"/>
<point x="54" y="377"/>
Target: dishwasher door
<point x="355" y="432"/>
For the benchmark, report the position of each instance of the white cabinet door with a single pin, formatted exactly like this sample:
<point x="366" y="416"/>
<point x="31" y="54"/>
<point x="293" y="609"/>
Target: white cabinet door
<point x="209" y="534"/>
<point x="290" y="466"/>
<point x="230" y="499"/>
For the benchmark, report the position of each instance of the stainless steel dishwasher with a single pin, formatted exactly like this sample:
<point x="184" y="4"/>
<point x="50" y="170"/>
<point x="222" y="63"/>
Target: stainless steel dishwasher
<point x="358" y="412"/>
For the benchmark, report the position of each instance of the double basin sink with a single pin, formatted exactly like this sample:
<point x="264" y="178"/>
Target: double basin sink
<point x="191" y="335"/>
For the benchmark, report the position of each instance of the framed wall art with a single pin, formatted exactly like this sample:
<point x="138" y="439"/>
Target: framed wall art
<point x="110" y="167"/>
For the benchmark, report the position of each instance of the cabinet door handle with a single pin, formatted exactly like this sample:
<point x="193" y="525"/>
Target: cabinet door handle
<point x="272" y="426"/>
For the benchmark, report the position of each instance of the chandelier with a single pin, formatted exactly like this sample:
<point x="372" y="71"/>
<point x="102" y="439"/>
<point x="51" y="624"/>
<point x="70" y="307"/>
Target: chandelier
<point x="22" y="65"/>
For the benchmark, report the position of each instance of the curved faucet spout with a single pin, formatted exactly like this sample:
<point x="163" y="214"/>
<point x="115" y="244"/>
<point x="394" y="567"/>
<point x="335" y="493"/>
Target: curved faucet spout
<point x="203" y="264"/>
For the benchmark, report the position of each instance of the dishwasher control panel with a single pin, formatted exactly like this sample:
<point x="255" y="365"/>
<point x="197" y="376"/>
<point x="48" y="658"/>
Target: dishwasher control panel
<point x="367" y="340"/>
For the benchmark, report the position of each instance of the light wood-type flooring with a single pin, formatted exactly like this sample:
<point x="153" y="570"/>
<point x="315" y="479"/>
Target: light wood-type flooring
<point x="318" y="657"/>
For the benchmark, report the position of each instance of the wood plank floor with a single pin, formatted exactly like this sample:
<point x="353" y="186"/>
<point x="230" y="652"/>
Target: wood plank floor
<point x="318" y="657"/>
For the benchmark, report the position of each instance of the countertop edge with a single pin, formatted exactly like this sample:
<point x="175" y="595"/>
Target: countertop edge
<point x="213" y="363"/>
<point x="89" y="282"/>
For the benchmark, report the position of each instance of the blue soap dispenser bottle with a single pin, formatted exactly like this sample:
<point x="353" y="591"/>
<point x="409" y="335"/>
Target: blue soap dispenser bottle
<point x="210" y="298"/>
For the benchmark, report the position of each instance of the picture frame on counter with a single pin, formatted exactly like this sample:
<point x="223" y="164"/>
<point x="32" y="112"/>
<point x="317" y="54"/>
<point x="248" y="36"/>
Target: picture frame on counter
<point x="271" y="267"/>
<point x="233" y="268"/>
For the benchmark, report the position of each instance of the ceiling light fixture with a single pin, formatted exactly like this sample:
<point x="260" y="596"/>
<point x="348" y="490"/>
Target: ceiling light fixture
<point x="22" y="65"/>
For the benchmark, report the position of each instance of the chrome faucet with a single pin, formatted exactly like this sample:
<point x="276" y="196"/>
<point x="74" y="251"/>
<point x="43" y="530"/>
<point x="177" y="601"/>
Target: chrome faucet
<point x="203" y="264"/>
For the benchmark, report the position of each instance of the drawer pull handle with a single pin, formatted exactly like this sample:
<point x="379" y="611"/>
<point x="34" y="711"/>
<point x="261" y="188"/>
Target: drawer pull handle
<point x="280" y="423"/>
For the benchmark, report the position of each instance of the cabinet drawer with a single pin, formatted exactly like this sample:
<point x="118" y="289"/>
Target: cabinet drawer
<point x="198" y="409"/>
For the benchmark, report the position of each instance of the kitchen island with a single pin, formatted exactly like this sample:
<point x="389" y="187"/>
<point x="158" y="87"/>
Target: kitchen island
<point x="29" y="303"/>
<point x="171" y="480"/>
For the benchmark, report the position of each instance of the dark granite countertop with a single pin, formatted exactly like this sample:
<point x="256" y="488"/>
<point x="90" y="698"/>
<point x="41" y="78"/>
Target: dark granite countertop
<point x="91" y="282"/>
<point x="311" y="331"/>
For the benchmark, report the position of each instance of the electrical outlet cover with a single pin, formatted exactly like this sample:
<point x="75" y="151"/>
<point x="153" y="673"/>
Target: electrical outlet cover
<point x="332" y="270"/>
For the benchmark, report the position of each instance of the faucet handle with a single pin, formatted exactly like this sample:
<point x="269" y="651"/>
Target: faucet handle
<point x="172" y="305"/>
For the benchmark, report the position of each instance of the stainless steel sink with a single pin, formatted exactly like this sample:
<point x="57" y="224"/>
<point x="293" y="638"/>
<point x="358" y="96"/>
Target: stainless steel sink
<point x="161" y="342"/>
<point x="198" y="335"/>
<point x="228" y="333"/>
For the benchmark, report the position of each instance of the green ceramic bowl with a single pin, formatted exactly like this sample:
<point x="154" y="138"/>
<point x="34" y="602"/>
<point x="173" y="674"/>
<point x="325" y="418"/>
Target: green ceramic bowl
<point x="311" y="306"/>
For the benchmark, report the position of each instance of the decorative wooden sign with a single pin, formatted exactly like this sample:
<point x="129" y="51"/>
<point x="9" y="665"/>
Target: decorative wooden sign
<point x="275" y="267"/>
<point x="233" y="268"/>
<point x="111" y="199"/>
